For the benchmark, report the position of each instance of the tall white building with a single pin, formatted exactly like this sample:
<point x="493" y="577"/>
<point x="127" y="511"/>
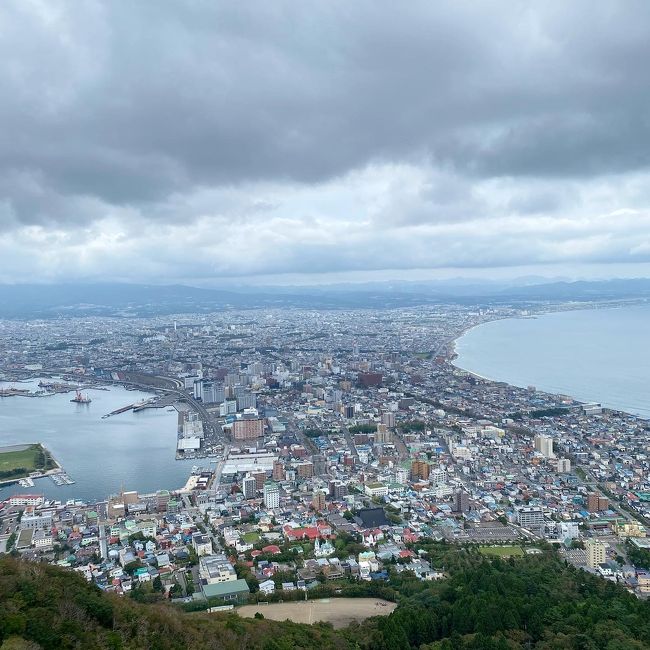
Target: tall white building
<point x="563" y="465"/>
<point x="438" y="476"/>
<point x="228" y="407"/>
<point x="249" y="487"/>
<point x="568" y="530"/>
<point x="271" y="495"/>
<point x="401" y="475"/>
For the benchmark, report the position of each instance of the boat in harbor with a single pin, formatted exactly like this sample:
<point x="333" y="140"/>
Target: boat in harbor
<point x="81" y="399"/>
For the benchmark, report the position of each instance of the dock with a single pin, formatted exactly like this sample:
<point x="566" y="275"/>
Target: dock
<point x="61" y="478"/>
<point x="124" y="409"/>
<point x="137" y="406"/>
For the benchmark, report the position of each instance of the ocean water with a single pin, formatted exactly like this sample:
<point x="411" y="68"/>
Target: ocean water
<point x="595" y="355"/>
<point x="135" y="450"/>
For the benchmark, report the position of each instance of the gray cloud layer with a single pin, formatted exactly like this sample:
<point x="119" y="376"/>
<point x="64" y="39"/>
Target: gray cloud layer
<point x="200" y="139"/>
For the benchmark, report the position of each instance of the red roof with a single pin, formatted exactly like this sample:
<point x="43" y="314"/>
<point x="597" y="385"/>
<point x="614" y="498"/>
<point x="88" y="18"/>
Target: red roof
<point x="272" y="548"/>
<point x="322" y="529"/>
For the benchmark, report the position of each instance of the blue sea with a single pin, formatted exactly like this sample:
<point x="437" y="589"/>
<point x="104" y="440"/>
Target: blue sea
<point x="594" y="355"/>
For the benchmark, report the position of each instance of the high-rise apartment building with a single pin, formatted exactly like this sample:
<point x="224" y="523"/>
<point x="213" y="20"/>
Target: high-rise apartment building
<point x="368" y="379"/>
<point x="383" y="435"/>
<point x="437" y="475"/>
<point x="278" y="471"/>
<point x="420" y="470"/>
<point x="213" y="393"/>
<point x="246" y="400"/>
<point x="530" y="517"/>
<point x="260" y="478"/>
<point x="247" y="429"/>
<point x="544" y="445"/>
<point x="320" y="464"/>
<point x="388" y="419"/>
<point x="596" y="502"/>
<point x="249" y="487"/>
<point x="318" y="501"/>
<point x="401" y="475"/>
<point x="595" y="553"/>
<point x="337" y="489"/>
<point x="271" y="495"/>
<point x="305" y="470"/>
<point x="461" y="501"/>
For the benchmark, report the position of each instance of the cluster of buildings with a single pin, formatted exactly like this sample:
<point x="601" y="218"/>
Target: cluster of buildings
<point x="341" y="440"/>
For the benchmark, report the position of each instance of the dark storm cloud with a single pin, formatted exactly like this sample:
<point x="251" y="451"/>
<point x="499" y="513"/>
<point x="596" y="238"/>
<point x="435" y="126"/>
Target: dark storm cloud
<point x="140" y="98"/>
<point x="259" y="114"/>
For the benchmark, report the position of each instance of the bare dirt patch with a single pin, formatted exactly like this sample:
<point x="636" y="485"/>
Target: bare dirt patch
<point x="340" y="612"/>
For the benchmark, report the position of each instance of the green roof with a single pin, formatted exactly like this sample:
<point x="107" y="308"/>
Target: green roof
<point x="222" y="589"/>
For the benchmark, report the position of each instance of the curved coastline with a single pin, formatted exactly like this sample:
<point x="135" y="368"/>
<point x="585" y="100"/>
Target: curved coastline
<point x="453" y="357"/>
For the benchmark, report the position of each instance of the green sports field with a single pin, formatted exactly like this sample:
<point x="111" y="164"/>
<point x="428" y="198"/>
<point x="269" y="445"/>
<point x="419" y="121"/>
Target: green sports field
<point x="19" y="460"/>
<point x="501" y="551"/>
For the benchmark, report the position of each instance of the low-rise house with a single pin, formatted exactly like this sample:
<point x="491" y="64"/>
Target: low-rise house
<point x="267" y="587"/>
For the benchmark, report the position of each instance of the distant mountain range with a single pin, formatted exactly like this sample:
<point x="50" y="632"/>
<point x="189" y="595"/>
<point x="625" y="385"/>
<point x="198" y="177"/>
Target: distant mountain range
<point x="61" y="300"/>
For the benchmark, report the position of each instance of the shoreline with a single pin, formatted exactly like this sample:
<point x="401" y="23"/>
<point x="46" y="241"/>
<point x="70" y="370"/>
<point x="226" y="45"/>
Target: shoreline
<point x="453" y="355"/>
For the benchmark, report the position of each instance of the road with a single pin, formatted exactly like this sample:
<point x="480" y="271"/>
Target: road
<point x="219" y="467"/>
<point x="351" y="445"/>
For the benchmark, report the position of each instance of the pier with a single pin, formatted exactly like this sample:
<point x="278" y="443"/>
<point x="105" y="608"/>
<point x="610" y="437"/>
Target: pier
<point x="124" y="409"/>
<point x="151" y="403"/>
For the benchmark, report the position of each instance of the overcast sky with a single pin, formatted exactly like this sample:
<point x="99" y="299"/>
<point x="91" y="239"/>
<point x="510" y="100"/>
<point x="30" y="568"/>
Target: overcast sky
<point x="199" y="141"/>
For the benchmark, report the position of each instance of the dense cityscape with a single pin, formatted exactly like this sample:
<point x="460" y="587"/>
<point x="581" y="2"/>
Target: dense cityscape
<point x="324" y="325"/>
<point x="331" y="448"/>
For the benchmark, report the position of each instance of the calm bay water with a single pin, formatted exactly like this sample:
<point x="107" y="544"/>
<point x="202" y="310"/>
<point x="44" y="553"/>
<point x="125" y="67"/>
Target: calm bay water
<point x="131" y="449"/>
<point x="599" y="355"/>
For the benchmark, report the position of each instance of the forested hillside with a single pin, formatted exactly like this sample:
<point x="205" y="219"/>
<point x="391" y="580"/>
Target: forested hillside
<point x="531" y="602"/>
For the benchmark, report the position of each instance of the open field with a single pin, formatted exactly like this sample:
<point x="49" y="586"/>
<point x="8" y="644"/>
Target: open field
<point x="26" y="458"/>
<point x="337" y="611"/>
<point x="19" y="460"/>
<point x="501" y="551"/>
